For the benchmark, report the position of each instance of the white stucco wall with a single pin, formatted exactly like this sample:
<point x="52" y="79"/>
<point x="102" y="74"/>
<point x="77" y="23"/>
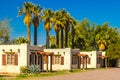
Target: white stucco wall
<point x="22" y="57"/>
<point x="66" y="53"/>
<point x="93" y="56"/>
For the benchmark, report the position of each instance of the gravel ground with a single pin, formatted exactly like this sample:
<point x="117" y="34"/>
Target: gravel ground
<point x="106" y="74"/>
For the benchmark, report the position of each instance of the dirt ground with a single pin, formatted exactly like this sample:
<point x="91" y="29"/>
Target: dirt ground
<point x="106" y="74"/>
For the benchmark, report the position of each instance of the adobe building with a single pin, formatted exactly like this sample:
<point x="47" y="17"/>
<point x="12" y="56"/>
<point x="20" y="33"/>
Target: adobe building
<point x="12" y="57"/>
<point x="92" y="59"/>
<point x="62" y="59"/>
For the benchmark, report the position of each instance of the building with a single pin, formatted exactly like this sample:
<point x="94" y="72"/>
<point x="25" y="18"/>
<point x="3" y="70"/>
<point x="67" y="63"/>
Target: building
<point x="62" y="59"/>
<point x="12" y="57"/>
<point x="92" y="59"/>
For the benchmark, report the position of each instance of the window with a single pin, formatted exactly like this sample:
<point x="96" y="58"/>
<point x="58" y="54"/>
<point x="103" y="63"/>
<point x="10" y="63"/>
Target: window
<point x="57" y="59"/>
<point x="10" y="59"/>
<point x="88" y="60"/>
<point x="33" y="58"/>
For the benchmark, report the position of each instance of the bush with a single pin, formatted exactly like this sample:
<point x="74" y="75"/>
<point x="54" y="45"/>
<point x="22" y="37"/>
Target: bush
<point x="33" y="69"/>
<point x="29" y="69"/>
<point x="24" y="69"/>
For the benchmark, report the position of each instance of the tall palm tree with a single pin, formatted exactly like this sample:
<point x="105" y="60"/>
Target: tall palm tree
<point x="57" y="23"/>
<point x="67" y="19"/>
<point x="48" y="20"/>
<point x="63" y="20"/>
<point x="73" y="24"/>
<point x="27" y="10"/>
<point x="36" y="11"/>
<point x="57" y="30"/>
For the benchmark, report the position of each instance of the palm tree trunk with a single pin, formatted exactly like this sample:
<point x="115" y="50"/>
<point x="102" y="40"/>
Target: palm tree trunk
<point x="73" y="32"/>
<point x="57" y="38"/>
<point x="47" y="39"/>
<point x="66" y="38"/>
<point x="35" y="35"/>
<point x="62" y="37"/>
<point x="28" y="34"/>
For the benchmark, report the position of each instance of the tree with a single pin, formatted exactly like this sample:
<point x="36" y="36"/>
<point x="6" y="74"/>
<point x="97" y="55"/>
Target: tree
<point x="103" y="36"/>
<point x="48" y="20"/>
<point x="73" y="23"/>
<point x="67" y="20"/>
<point x="52" y="42"/>
<point x="81" y="31"/>
<point x="58" y="22"/>
<point x="27" y="11"/>
<point x="36" y="11"/>
<point x="62" y="14"/>
<point x="19" y="40"/>
<point x="113" y="52"/>
<point x="4" y="31"/>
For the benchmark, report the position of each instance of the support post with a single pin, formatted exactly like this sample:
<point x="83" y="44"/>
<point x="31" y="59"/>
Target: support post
<point x="83" y="64"/>
<point x="78" y="62"/>
<point x="47" y="63"/>
<point x="86" y="61"/>
<point x="51" y="63"/>
<point x="105" y="62"/>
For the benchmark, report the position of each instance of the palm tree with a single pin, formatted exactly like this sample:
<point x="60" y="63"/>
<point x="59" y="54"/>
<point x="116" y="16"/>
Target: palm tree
<point x="21" y="40"/>
<point x="48" y="20"/>
<point x="63" y="20"/>
<point x="73" y="24"/>
<point x="58" y="23"/>
<point x="67" y="27"/>
<point x="36" y="11"/>
<point x="27" y="10"/>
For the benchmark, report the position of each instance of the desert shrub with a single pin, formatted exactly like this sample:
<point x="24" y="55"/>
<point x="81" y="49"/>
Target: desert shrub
<point x="33" y="69"/>
<point x="24" y="69"/>
<point x="29" y="69"/>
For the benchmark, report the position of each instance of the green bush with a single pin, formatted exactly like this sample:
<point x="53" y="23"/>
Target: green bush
<point x="24" y="69"/>
<point x="33" y="69"/>
<point x="29" y="69"/>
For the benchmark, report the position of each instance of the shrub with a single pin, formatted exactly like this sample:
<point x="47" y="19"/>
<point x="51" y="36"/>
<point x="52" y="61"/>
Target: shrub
<point x="33" y="69"/>
<point x="24" y="69"/>
<point x="29" y="69"/>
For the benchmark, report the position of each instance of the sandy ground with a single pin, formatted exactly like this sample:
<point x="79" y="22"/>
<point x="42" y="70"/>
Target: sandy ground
<point x="107" y="74"/>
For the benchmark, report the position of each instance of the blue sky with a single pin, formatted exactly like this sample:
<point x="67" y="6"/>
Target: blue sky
<point x="98" y="11"/>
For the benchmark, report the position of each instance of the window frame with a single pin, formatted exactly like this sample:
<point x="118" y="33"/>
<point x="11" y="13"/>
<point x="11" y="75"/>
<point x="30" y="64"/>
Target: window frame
<point x="57" y="59"/>
<point x="10" y="59"/>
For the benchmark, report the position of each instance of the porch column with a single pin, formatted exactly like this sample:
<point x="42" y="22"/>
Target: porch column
<point x="78" y="62"/>
<point x="86" y="61"/>
<point x="41" y="63"/>
<point x="105" y="62"/>
<point x="46" y="63"/>
<point x="37" y="59"/>
<point x="100" y="62"/>
<point x="83" y="64"/>
<point x="51" y="63"/>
